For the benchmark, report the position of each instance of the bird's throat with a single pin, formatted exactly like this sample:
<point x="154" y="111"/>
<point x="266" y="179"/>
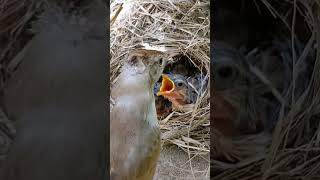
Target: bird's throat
<point x="129" y="84"/>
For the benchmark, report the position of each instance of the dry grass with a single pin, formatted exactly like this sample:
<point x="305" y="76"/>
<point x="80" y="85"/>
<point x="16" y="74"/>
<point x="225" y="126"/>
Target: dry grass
<point x="177" y="27"/>
<point x="293" y="150"/>
<point x="14" y="20"/>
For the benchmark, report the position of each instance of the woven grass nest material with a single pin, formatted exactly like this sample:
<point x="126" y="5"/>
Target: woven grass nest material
<point x="292" y="150"/>
<point x="181" y="28"/>
<point x="14" y="17"/>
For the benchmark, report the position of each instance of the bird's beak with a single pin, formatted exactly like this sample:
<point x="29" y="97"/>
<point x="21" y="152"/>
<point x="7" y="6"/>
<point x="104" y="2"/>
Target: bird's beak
<point x="168" y="89"/>
<point x="167" y="86"/>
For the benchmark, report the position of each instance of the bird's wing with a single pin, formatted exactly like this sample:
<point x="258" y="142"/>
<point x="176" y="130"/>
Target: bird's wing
<point x="132" y="140"/>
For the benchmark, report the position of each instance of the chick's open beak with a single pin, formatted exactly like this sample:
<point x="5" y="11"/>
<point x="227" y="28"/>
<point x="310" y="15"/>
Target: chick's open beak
<point x="168" y="89"/>
<point x="167" y="86"/>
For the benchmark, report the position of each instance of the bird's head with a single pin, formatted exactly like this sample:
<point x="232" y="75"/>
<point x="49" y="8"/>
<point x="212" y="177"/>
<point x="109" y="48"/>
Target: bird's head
<point x="173" y="87"/>
<point x="229" y="68"/>
<point x="147" y="62"/>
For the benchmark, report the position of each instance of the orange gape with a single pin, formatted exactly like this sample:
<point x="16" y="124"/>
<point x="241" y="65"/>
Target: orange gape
<point x="224" y="115"/>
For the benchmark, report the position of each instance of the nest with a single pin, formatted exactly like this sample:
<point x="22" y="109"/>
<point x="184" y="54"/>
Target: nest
<point x="291" y="150"/>
<point x="181" y="29"/>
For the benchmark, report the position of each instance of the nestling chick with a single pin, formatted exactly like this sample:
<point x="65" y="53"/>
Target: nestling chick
<point x="181" y="91"/>
<point x="175" y="88"/>
<point x="233" y="85"/>
<point x="135" y="135"/>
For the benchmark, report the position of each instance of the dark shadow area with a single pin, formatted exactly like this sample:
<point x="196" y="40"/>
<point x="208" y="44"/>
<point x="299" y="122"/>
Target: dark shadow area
<point x="53" y="69"/>
<point x="263" y="73"/>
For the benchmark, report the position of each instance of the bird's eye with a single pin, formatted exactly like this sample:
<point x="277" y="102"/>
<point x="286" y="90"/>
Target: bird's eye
<point x="179" y="84"/>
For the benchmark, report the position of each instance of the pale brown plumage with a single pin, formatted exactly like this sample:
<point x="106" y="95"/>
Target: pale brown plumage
<point x="135" y="135"/>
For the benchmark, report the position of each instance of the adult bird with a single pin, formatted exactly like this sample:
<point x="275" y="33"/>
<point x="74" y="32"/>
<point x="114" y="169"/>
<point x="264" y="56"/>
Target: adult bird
<point x="135" y="135"/>
<point x="57" y="99"/>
